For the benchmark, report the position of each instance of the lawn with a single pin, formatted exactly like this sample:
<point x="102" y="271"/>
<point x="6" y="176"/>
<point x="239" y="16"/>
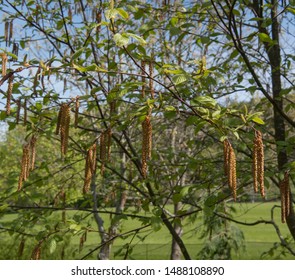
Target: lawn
<point x="148" y="244"/>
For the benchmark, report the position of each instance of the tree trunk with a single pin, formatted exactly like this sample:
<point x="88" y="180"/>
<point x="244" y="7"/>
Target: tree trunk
<point x="274" y="54"/>
<point x="175" y="249"/>
<point x="104" y="252"/>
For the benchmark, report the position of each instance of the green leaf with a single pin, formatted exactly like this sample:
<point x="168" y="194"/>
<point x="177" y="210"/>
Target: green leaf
<point x="52" y="246"/>
<point x="258" y="120"/>
<point x="121" y="40"/>
<point x="136" y="37"/>
<point x="204" y="100"/>
<point x="94" y="67"/>
<point x="77" y="54"/>
<point x="173" y="71"/>
<point x="265" y="38"/>
<point x="170" y="108"/>
<point x="79" y="68"/>
<point x="179" y="79"/>
<point x="123" y="13"/>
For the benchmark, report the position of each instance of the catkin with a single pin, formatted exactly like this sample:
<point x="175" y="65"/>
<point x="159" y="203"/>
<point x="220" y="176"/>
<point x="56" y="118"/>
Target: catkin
<point x="258" y="163"/>
<point x="255" y="167"/>
<point x="36" y="254"/>
<point x="4" y="63"/>
<point x="81" y="244"/>
<point x="10" y="32"/>
<point x="90" y="167"/>
<point x="15" y="49"/>
<point x="33" y="142"/>
<point x="70" y="14"/>
<point x="9" y="94"/>
<point x="63" y="127"/>
<point x="143" y="78"/>
<point x="6" y="31"/>
<point x="232" y="177"/>
<point x="112" y="107"/>
<point x="285" y="197"/>
<point x="146" y="143"/>
<point x="98" y="21"/>
<point x="25" y="166"/>
<point x="230" y="167"/>
<point x="36" y="79"/>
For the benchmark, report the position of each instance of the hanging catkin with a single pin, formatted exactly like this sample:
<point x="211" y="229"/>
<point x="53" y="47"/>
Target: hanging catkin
<point x="33" y="142"/>
<point x="90" y="167"/>
<point x="36" y="254"/>
<point x="230" y="167"/>
<point x="285" y="197"/>
<point x="258" y="163"/>
<point x="4" y="63"/>
<point x="6" y="33"/>
<point x="98" y="21"/>
<point x="10" y="32"/>
<point x="25" y="166"/>
<point x="70" y="14"/>
<point x="146" y="143"/>
<point x="9" y="94"/>
<point x="63" y="126"/>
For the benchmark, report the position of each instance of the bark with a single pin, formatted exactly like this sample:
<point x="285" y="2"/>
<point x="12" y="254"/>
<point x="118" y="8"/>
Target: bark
<point x="175" y="249"/>
<point x="274" y="55"/>
<point x="104" y="252"/>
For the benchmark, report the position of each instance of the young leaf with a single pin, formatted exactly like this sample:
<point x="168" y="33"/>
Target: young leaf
<point x="77" y="54"/>
<point x="123" y="13"/>
<point x="204" y="100"/>
<point x="136" y="37"/>
<point x="121" y="40"/>
<point x="178" y="79"/>
<point x="265" y="38"/>
<point x="258" y="120"/>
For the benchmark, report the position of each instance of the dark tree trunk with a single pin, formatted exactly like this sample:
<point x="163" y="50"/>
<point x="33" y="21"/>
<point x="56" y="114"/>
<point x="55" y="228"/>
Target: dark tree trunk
<point x="175" y="249"/>
<point x="274" y="54"/>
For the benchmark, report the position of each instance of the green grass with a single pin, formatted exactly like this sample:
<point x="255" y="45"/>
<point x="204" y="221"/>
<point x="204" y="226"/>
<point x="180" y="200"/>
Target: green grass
<point x="148" y="244"/>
